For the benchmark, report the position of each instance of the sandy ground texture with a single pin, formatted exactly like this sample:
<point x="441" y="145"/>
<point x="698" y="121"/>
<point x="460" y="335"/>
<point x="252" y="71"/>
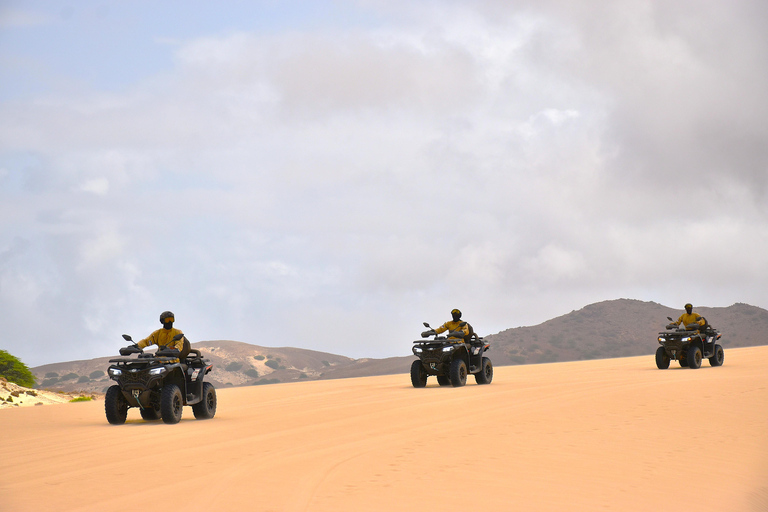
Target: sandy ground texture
<point x="614" y="435"/>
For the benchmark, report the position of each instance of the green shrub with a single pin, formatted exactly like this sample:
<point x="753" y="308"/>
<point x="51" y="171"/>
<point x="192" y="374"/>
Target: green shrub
<point x="326" y="363"/>
<point x="81" y="399"/>
<point x="83" y="379"/>
<point x="259" y="357"/>
<point x="97" y="374"/>
<point x="273" y="364"/>
<point x="69" y="376"/>
<point x="13" y="370"/>
<point x="252" y="372"/>
<point x="234" y="366"/>
<point x="51" y="374"/>
<point x="303" y="376"/>
<point x="48" y="382"/>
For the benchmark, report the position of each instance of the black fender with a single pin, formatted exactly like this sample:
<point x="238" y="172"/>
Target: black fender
<point x="462" y="353"/>
<point x="194" y="381"/>
<point x="176" y="376"/>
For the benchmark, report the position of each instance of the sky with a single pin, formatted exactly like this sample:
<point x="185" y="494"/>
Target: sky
<point x="330" y="174"/>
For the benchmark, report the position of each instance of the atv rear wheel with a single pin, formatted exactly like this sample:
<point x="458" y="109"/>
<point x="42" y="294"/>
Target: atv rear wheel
<point x="718" y="358"/>
<point x="150" y="413"/>
<point x="694" y="357"/>
<point x="458" y="373"/>
<point x="485" y="376"/>
<point x="418" y="374"/>
<point x="205" y="409"/>
<point x="115" y="405"/>
<point x="443" y="380"/>
<point x="171" y="404"/>
<point x="662" y="359"/>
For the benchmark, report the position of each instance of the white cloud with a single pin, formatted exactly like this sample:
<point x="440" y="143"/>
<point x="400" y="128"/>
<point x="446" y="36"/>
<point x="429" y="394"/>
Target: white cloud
<point x="333" y="188"/>
<point x="98" y="186"/>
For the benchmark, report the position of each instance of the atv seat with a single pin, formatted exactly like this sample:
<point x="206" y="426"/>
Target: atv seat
<point x="184" y="352"/>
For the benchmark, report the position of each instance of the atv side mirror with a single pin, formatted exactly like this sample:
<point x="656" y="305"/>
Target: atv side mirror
<point x="127" y="338"/>
<point x="670" y="319"/>
<point x="427" y="325"/>
<point x="178" y="337"/>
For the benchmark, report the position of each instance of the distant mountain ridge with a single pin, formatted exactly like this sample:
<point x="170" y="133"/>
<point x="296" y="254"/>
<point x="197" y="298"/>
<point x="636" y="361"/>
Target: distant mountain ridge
<point x="614" y="328"/>
<point x="619" y="328"/>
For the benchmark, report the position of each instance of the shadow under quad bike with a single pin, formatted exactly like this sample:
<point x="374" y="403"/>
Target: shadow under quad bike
<point x="689" y="346"/>
<point x="159" y="384"/>
<point x="450" y="359"/>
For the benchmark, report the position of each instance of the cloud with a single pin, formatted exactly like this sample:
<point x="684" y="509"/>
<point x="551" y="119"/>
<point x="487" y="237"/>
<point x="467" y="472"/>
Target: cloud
<point x="333" y="187"/>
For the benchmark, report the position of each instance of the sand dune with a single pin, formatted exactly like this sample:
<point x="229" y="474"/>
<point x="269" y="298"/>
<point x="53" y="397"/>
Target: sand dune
<point x="596" y="435"/>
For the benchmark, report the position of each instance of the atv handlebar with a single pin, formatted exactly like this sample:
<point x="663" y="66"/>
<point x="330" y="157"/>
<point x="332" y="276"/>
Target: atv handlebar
<point x="130" y="349"/>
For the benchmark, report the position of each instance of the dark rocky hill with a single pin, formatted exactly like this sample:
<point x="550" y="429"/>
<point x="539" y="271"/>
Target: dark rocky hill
<point x="619" y="328"/>
<point x="615" y="328"/>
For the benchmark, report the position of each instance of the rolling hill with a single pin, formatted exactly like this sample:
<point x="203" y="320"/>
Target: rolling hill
<point x="609" y="329"/>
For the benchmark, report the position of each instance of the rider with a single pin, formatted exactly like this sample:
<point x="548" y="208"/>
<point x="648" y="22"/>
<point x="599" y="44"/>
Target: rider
<point x="691" y="320"/>
<point x="455" y="325"/>
<point x="163" y="338"/>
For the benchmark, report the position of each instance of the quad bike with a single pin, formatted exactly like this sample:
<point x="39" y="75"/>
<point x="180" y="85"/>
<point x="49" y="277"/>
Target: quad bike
<point x="159" y="384"/>
<point x="451" y="359"/>
<point x="689" y="345"/>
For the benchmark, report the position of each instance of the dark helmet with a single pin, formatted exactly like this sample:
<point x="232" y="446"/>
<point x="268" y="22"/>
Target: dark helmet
<point x="166" y="316"/>
<point x="456" y="314"/>
<point x="689" y="308"/>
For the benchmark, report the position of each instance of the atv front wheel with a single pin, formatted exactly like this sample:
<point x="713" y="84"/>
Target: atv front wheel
<point x="206" y="408"/>
<point x="485" y="376"/>
<point x="718" y="358"/>
<point x="115" y="405"/>
<point x="458" y="373"/>
<point x="694" y="357"/>
<point x="171" y="404"/>
<point x="418" y="374"/>
<point x="443" y="380"/>
<point x="662" y="359"/>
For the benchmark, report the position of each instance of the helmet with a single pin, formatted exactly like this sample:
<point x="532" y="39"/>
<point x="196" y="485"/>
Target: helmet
<point x="456" y="314"/>
<point x="689" y="305"/>
<point x="166" y="316"/>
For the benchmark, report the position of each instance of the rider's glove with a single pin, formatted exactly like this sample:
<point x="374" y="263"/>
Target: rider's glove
<point x="427" y="334"/>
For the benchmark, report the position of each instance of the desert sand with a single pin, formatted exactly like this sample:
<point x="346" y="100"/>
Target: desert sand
<point x="614" y="434"/>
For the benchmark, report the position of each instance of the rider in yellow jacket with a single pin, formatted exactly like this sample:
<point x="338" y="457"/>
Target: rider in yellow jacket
<point x="163" y="338"/>
<point x="690" y="319"/>
<point x="455" y="326"/>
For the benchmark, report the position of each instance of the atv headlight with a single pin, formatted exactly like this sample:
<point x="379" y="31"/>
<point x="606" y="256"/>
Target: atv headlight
<point x="418" y="350"/>
<point x="447" y="349"/>
<point x="687" y="338"/>
<point x="662" y="338"/>
<point x="156" y="371"/>
<point x="114" y="372"/>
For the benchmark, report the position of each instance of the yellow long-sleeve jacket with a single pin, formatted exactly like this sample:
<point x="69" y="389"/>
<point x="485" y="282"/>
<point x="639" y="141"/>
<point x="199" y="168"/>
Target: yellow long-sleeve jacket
<point x="453" y="326"/>
<point x="163" y="338"/>
<point x="693" y="318"/>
